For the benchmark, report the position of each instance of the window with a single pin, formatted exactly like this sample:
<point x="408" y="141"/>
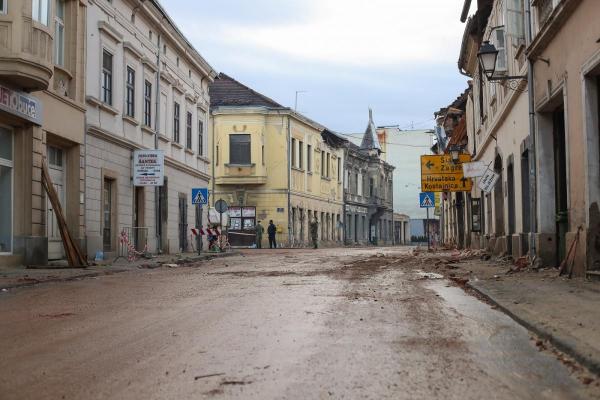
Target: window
<point x="188" y="131"/>
<point x="176" y="122"/>
<point x="371" y="186"/>
<point x="300" y="154"/>
<point x="147" y="103"/>
<point x="239" y="149"/>
<point x="3" y="9"/>
<point x="130" y="93"/>
<point x="178" y="61"/>
<point x="328" y="165"/>
<point x="59" y="33"/>
<point x="293" y="153"/>
<point x="500" y="43"/>
<point x="200" y="138"/>
<point x="262" y="154"/>
<point x="6" y="191"/>
<point x="309" y="158"/>
<point x="107" y="68"/>
<point x="40" y="11"/>
<point x="339" y="169"/>
<point x="217" y="155"/>
<point x="322" y="163"/>
<point x="514" y="19"/>
<point x="544" y="9"/>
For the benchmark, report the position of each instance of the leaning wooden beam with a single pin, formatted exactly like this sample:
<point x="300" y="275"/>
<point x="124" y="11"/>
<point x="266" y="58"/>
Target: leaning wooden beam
<point x="74" y="255"/>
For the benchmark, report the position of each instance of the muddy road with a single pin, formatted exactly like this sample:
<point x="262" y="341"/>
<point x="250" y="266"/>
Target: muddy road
<point x="282" y="324"/>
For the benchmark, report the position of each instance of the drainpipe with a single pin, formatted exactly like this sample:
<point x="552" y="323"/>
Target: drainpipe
<point x="156" y="127"/>
<point x="343" y="172"/>
<point x="532" y="136"/>
<point x="289" y="168"/>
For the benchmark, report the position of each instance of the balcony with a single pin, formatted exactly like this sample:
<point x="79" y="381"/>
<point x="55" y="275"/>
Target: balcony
<point x="241" y="174"/>
<point x="26" y="51"/>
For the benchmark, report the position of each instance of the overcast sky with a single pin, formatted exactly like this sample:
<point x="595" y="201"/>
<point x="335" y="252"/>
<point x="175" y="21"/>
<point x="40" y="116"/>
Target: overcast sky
<point x="396" y="56"/>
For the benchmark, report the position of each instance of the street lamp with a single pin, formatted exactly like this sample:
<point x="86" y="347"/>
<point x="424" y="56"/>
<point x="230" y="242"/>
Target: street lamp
<point x="488" y="56"/>
<point x="455" y="151"/>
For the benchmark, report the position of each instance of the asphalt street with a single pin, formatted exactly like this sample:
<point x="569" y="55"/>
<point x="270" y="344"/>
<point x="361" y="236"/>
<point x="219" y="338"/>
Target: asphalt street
<point x="280" y="324"/>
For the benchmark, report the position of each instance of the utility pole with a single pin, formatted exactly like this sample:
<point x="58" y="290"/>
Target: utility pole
<point x="296" y="101"/>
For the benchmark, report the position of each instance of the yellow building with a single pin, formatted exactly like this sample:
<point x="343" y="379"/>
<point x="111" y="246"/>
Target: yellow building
<point x="271" y="163"/>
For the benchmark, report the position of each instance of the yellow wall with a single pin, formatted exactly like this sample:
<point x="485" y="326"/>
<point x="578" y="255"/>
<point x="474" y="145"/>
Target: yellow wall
<point x="264" y="184"/>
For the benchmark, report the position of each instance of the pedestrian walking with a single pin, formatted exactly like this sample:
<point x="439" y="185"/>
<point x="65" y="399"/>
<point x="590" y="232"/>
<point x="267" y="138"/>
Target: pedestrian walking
<point x="259" y="233"/>
<point x="272" y="230"/>
<point x="314" y="232"/>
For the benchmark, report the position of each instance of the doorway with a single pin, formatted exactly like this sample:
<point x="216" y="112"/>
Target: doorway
<point x="510" y="189"/>
<point x="139" y="233"/>
<point x="56" y="170"/>
<point x="498" y="199"/>
<point x="560" y="181"/>
<point x="183" y="226"/>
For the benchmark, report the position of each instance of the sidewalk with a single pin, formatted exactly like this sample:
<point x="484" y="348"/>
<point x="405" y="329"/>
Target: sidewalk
<point x="565" y="312"/>
<point x="16" y="277"/>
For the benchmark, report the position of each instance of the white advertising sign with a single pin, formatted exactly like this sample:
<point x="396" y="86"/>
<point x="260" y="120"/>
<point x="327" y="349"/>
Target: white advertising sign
<point x="488" y="181"/>
<point x="148" y="167"/>
<point x="474" y="169"/>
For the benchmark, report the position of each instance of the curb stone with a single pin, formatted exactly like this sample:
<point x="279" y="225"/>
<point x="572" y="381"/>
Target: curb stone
<point x="561" y="344"/>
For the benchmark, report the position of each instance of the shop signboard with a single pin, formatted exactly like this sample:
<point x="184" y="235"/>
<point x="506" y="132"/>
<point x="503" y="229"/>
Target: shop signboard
<point x="148" y="167"/>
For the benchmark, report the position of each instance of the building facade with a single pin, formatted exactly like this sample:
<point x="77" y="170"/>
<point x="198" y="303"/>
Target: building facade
<point x="492" y="125"/>
<point x="368" y="191"/>
<point x="271" y="163"/>
<point x="42" y="80"/>
<point x="147" y="88"/>
<point x="535" y="123"/>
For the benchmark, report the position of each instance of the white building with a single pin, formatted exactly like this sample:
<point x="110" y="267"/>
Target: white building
<point x="146" y="88"/>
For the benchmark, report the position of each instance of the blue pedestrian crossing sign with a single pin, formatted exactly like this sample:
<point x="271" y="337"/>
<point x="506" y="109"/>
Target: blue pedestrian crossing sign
<point x="200" y="196"/>
<point x="427" y="200"/>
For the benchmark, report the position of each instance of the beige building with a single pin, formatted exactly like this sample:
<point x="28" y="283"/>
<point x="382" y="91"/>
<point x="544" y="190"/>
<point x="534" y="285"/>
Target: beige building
<point x="491" y="123"/>
<point x="42" y="116"/>
<point x="147" y="88"/>
<point x="549" y="164"/>
<point x="566" y="94"/>
<point x="271" y="163"/>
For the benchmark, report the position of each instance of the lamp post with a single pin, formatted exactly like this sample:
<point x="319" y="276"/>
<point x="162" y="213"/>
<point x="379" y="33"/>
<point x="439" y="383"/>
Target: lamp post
<point x="488" y="57"/>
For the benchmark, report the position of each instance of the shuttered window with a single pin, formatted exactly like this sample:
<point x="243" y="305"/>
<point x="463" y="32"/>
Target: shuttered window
<point x="239" y="149"/>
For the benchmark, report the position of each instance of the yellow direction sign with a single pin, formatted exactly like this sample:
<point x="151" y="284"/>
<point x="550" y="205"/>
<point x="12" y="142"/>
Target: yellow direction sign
<point x="440" y="174"/>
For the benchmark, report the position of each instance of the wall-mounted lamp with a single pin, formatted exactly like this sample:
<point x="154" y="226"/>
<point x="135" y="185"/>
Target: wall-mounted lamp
<point x="488" y="56"/>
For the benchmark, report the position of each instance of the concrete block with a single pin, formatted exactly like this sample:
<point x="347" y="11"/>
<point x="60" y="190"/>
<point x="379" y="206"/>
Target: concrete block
<point x="33" y="248"/>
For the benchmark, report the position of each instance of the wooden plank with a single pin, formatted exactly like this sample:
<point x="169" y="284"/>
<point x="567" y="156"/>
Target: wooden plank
<point x="74" y="254"/>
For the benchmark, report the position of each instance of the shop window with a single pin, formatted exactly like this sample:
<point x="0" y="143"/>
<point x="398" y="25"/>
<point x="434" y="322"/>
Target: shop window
<point x="239" y="149"/>
<point x="107" y="214"/>
<point x="6" y="191"/>
<point x="59" y="33"/>
<point x="40" y="11"/>
<point x="107" y="79"/>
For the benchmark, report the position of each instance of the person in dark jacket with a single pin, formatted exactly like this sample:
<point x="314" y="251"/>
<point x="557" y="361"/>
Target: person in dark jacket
<point x="272" y="230"/>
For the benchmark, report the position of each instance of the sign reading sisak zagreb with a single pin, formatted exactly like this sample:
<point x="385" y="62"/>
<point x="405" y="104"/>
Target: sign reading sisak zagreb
<point x="440" y="174"/>
<point x="148" y="167"/>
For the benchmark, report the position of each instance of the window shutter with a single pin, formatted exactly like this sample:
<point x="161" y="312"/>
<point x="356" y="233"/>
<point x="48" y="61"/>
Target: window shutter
<point x="515" y="22"/>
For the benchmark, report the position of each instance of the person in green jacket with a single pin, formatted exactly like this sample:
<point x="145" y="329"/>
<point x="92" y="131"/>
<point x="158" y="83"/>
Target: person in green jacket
<point x="259" y="232"/>
<point x="314" y="232"/>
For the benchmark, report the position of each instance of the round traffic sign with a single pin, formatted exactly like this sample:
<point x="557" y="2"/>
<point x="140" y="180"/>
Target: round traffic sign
<point x="221" y="206"/>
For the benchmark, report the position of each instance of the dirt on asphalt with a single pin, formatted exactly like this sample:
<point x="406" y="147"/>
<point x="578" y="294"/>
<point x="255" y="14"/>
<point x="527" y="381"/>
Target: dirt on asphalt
<point x="282" y="324"/>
